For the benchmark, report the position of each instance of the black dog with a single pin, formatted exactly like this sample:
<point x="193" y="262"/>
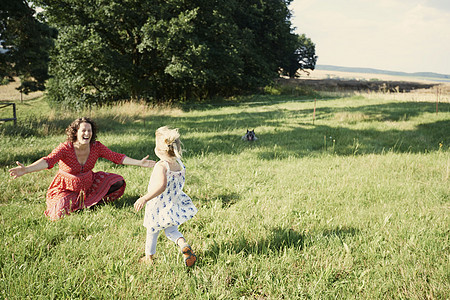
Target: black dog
<point x="250" y="136"/>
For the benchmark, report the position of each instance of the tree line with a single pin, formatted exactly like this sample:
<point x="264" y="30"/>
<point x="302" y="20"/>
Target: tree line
<point x="101" y="51"/>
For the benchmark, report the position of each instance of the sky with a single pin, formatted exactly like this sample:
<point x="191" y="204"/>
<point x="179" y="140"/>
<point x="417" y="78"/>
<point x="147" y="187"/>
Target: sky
<point x="396" y="35"/>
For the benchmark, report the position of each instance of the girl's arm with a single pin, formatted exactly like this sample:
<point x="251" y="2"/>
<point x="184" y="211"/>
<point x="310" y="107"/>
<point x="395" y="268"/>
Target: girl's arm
<point x="157" y="185"/>
<point x="146" y="163"/>
<point x="38" y="165"/>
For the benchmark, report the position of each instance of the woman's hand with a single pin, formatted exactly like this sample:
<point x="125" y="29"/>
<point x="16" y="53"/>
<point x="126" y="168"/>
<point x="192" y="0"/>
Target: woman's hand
<point x="146" y="163"/>
<point x="17" y="171"/>
<point x="139" y="204"/>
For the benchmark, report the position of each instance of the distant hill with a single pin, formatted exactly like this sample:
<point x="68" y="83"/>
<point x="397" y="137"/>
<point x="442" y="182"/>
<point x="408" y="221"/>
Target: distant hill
<point x="431" y="75"/>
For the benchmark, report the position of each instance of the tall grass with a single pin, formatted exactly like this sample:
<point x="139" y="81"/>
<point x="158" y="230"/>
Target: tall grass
<point x="354" y="206"/>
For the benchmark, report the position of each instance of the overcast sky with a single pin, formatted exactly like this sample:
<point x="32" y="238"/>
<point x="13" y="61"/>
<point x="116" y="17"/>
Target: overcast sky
<point x="396" y="35"/>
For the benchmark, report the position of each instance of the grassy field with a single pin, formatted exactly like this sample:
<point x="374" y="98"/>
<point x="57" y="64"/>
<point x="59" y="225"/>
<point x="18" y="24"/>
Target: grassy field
<point x="354" y="205"/>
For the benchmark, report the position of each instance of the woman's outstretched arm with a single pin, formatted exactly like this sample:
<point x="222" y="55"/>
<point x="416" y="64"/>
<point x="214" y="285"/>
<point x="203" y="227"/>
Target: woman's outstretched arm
<point x="146" y="163"/>
<point x="38" y="165"/>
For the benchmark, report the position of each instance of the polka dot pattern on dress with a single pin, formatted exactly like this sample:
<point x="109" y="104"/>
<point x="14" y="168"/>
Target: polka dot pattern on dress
<point x="173" y="207"/>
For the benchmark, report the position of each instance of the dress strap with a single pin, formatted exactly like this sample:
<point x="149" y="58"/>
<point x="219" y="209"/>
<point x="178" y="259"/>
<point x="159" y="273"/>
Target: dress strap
<point x="181" y="163"/>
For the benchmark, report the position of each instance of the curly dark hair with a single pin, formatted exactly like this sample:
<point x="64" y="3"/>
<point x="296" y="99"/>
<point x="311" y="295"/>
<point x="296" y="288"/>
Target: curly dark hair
<point x="72" y="130"/>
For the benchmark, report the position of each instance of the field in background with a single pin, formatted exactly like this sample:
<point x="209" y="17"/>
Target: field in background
<point x="333" y="74"/>
<point x="352" y="204"/>
<point x="394" y="87"/>
<point x="9" y="93"/>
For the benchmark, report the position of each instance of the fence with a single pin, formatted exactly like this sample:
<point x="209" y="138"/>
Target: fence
<point x="14" y="118"/>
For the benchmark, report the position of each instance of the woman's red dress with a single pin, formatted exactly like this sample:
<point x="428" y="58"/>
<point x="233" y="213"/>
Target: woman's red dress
<point x="76" y="186"/>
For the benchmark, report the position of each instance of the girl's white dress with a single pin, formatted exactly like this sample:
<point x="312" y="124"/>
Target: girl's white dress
<point x="173" y="207"/>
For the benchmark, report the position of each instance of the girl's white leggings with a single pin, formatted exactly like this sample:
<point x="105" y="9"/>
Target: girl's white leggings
<point x="172" y="234"/>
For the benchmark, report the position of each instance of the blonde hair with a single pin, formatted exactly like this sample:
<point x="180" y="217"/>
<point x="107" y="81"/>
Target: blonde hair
<point x="168" y="140"/>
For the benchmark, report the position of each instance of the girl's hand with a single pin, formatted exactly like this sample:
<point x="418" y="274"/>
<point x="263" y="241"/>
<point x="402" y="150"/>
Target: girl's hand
<point x="139" y="204"/>
<point x="146" y="163"/>
<point x="17" y="171"/>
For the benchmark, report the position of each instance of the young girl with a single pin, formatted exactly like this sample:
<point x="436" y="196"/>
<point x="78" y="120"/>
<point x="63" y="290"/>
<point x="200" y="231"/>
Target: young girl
<point x="166" y="205"/>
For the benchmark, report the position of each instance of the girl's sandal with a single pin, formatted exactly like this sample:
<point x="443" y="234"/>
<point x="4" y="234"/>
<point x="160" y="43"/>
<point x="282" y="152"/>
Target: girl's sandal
<point x="189" y="256"/>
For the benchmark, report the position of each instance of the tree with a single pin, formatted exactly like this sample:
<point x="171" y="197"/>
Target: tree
<point x="109" y="50"/>
<point x="114" y="50"/>
<point x="302" y="58"/>
<point x="25" y="44"/>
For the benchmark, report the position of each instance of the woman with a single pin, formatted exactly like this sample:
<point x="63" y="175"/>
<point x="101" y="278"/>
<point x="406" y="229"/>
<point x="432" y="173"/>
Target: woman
<point x="76" y="186"/>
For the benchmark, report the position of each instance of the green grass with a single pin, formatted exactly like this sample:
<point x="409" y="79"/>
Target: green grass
<point x="355" y="205"/>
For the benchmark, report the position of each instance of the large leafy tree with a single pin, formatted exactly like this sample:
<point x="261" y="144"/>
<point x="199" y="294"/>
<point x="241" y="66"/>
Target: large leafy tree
<point x="109" y="50"/>
<point x="25" y="44"/>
